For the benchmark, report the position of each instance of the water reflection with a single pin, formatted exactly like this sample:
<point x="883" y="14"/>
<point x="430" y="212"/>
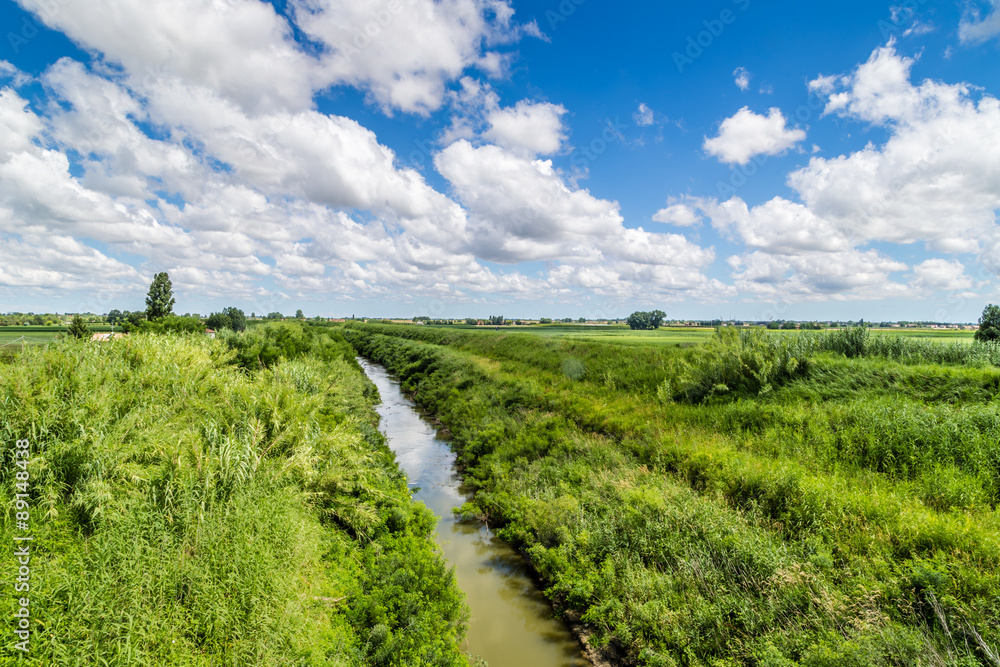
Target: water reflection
<point x="512" y="623"/>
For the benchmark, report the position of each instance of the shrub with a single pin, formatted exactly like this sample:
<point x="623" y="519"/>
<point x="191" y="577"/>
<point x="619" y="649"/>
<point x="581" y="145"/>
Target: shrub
<point x="750" y="361"/>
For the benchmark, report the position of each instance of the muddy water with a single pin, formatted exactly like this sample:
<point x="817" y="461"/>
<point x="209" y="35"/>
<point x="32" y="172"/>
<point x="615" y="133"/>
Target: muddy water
<point x="512" y="623"/>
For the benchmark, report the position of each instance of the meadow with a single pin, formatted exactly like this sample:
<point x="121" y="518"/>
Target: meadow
<point x="821" y="498"/>
<point x="226" y="502"/>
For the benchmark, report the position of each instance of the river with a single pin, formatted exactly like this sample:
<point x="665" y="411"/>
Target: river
<point x="511" y="624"/>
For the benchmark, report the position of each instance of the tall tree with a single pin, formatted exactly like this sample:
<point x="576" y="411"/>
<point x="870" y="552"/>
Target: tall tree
<point x="989" y="324"/>
<point x="160" y="300"/>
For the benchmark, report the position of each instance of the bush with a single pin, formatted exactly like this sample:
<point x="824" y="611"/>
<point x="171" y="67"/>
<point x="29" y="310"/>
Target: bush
<point x="750" y="361"/>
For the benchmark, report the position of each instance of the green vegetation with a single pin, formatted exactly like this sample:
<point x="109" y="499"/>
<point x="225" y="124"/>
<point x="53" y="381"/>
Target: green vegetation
<point x="814" y="498"/>
<point x="78" y="328"/>
<point x="230" y="318"/>
<point x="989" y="324"/>
<point x="159" y="300"/>
<point x="645" y="321"/>
<point x="190" y="507"/>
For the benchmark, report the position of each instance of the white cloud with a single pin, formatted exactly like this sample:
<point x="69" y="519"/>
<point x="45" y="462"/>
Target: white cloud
<point x="974" y="28"/>
<point x="818" y="276"/>
<point x="532" y="128"/>
<point x="934" y="180"/>
<point x="747" y="134"/>
<point x="644" y="116"/>
<point x="940" y="274"/>
<point x="679" y="214"/>
<point x="242" y="50"/>
<point x="405" y="53"/>
<point x="521" y="210"/>
<point x="742" y="77"/>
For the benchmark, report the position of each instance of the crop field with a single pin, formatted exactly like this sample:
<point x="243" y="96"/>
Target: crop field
<point x="820" y="498"/>
<point x="34" y="335"/>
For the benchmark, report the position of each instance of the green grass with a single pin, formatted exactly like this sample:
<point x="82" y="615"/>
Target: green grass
<point x="33" y="335"/>
<point x="829" y="512"/>
<point x="190" y="511"/>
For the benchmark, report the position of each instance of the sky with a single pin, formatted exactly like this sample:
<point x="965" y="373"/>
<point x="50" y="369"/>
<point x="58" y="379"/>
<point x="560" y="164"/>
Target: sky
<point x="531" y="158"/>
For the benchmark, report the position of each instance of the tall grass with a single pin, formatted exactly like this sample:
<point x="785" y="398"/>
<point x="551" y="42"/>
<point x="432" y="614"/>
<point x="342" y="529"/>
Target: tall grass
<point x="728" y="531"/>
<point x="188" y="512"/>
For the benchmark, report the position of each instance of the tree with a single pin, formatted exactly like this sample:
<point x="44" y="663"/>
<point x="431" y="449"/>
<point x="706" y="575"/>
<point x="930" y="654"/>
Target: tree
<point x="115" y="316"/>
<point x="645" y="321"/>
<point x="78" y="328"/>
<point x="299" y="315"/>
<point x="230" y="318"/>
<point x="160" y="300"/>
<point x="989" y="324"/>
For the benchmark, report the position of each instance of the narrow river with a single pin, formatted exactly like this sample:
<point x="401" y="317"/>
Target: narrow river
<point x="512" y="623"/>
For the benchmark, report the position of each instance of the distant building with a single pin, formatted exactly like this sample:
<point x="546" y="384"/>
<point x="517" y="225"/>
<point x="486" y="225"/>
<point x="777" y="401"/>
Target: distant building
<point x="106" y="336"/>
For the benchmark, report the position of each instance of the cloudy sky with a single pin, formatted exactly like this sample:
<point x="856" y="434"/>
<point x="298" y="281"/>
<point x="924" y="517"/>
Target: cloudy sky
<point x="726" y="158"/>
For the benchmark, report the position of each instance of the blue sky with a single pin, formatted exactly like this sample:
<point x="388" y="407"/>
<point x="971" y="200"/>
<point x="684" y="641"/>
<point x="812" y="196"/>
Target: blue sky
<point x="732" y="158"/>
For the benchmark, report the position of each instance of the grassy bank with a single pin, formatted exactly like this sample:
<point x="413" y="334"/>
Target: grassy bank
<point x="734" y="503"/>
<point x="192" y="505"/>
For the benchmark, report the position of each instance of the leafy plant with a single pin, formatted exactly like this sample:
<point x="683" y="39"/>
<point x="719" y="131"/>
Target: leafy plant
<point x="159" y="300"/>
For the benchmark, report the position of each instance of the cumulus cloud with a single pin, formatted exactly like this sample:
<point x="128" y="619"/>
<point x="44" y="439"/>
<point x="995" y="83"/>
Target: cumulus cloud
<point x="522" y="210"/>
<point x="748" y="134"/>
<point x="976" y="28"/>
<point x="405" y="53"/>
<point x="242" y="50"/>
<point x="680" y="214"/>
<point x="534" y="128"/>
<point x="933" y="182"/>
<point x="940" y="275"/>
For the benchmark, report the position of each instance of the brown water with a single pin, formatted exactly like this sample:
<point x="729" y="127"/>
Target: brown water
<point x="512" y="623"/>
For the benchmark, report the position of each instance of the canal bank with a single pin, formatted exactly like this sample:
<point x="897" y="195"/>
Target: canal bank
<point x="511" y="624"/>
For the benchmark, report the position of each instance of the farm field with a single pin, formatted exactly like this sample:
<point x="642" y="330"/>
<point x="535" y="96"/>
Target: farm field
<point x="760" y="499"/>
<point x="684" y="336"/>
<point x="216" y="502"/>
<point x="39" y="334"/>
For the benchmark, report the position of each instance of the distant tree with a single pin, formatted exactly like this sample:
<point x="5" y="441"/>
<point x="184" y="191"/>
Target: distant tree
<point x="299" y="315"/>
<point x="230" y="318"/>
<point x="774" y="325"/>
<point x="275" y="316"/>
<point x="133" y="320"/>
<point x="115" y="317"/>
<point x="160" y="300"/>
<point x="545" y="320"/>
<point x="38" y="320"/>
<point x="788" y="326"/>
<point x="582" y="320"/>
<point x="78" y="328"/>
<point x="645" y="321"/>
<point x="989" y="324"/>
<point x="471" y="321"/>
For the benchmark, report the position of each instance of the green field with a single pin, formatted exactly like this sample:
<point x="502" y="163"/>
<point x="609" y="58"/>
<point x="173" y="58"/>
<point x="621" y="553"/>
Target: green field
<point x="820" y="498"/>
<point x="33" y="335"/>
<point x="684" y="336"/>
